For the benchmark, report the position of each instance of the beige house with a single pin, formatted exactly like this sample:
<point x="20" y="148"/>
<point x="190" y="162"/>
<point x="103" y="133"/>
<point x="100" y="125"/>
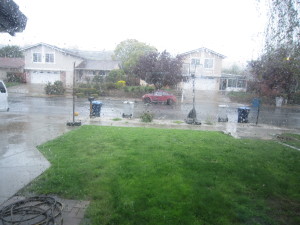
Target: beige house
<point x="46" y="63"/>
<point x="11" y="65"/>
<point x="205" y="65"/>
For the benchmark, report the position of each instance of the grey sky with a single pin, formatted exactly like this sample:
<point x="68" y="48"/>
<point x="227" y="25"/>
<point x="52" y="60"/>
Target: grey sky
<point x="232" y="27"/>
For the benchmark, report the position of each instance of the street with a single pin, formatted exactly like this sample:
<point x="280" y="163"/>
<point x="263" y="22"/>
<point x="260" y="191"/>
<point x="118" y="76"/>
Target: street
<point x="207" y="112"/>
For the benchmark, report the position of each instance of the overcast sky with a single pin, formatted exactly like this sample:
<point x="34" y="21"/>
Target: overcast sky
<point x="232" y="27"/>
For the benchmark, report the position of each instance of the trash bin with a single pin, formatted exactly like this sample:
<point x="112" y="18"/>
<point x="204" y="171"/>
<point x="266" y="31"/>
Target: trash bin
<point x="128" y="109"/>
<point x="222" y="113"/>
<point x="243" y="113"/>
<point x="96" y="108"/>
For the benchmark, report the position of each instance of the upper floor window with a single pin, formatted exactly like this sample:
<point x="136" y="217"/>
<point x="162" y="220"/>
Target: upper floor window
<point x="208" y="63"/>
<point x="49" y="58"/>
<point x="195" y="62"/>
<point x="37" y="57"/>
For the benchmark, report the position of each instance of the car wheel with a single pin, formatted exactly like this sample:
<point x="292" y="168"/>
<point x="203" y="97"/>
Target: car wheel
<point x="147" y="100"/>
<point x="170" y="102"/>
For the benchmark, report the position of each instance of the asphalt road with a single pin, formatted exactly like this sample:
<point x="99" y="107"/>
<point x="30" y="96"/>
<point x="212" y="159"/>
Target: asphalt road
<point x="207" y="111"/>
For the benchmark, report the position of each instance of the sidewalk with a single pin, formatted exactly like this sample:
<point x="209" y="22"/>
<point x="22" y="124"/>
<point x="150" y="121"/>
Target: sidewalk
<point x="236" y="130"/>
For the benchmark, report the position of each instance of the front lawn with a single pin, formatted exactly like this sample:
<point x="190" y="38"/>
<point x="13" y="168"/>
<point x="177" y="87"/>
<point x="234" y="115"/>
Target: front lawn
<point x="163" y="176"/>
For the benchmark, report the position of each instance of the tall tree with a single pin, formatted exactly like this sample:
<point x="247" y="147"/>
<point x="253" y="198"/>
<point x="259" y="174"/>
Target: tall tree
<point x="11" y="51"/>
<point x="160" y="69"/>
<point x="129" y="52"/>
<point x="283" y="27"/>
<point x="277" y="72"/>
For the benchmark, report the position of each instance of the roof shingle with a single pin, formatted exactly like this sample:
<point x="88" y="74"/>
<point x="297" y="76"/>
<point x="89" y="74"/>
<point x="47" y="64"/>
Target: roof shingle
<point x="12" y="63"/>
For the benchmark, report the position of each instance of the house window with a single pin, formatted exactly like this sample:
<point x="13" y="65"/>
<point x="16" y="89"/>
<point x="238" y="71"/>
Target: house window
<point x="208" y="63"/>
<point x="195" y="62"/>
<point x="37" y="57"/>
<point x="232" y="83"/>
<point x="49" y="58"/>
<point x="241" y="84"/>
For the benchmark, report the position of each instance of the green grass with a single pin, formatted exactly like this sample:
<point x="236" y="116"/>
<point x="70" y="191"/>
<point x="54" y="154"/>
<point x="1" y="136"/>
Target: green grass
<point x="116" y="119"/>
<point x="11" y="84"/>
<point x="178" y="122"/>
<point x="164" y="176"/>
<point x="290" y="139"/>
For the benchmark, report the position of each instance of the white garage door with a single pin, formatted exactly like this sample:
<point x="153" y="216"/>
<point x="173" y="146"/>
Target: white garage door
<point x="43" y="77"/>
<point x="203" y="84"/>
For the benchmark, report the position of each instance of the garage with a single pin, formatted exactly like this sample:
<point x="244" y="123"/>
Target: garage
<point x="203" y="84"/>
<point x="43" y="77"/>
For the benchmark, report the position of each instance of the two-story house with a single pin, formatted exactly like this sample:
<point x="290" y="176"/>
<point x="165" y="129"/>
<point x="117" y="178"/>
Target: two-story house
<point x="47" y="63"/>
<point x="205" y="65"/>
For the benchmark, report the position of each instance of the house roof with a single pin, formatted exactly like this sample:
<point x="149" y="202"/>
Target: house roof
<point x="98" y="65"/>
<point x="12" y="63"/>
<point x="11" y="18"/>
<point x="93" y="55"/>
<point x="53" y="47"/>
<point x="203" y="50"/>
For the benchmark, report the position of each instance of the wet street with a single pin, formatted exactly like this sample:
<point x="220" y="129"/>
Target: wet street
<point x="207" y="112"/>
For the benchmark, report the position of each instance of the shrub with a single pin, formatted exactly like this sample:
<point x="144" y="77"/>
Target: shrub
<point x="121" y="83"/>
<point x="295" y="98"/>
<point x="115" y="75"/>
<point x="57" y="88"/>
<point x="147" y="117"/>
<point x="110" y="86"/>
<point x="16" y="77"/>
<point x="98" y="79"/>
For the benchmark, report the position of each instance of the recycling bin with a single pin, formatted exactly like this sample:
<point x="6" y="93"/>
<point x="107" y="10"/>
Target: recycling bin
<point x="243" y="113"/>
<point x="96" y="108"/>
<point x="128" y="109"/>
<point x="222" y="113"/>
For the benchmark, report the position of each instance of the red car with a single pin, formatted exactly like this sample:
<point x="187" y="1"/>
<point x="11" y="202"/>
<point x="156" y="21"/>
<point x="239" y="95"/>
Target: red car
<point x="159" y="96"/>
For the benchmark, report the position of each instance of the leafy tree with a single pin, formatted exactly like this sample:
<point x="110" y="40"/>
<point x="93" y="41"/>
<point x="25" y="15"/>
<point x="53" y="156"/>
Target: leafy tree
<point x="116" y="75"/>
<point x="283" y="27"/>
<point x="129" y="52"/>
<point x="277" y="72"/>
<point x="12" y="51"/>
<point x="160" y="69"/>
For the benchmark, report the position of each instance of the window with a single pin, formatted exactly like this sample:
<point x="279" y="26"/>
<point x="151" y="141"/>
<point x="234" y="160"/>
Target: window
<point x="241" y="83"/>
<point x="49" y="58"/>
<point x="208" y="63"/>
<point x="232" y="83"/>
<point x="195" y="62"/>
<point x="37" y="57"/>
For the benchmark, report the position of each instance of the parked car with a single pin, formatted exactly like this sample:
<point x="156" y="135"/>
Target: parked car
<point x="160" y="96"/>
<point x="3" y="97"/>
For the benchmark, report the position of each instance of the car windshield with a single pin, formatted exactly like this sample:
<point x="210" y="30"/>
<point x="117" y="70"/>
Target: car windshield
<point x="150" y="112"/>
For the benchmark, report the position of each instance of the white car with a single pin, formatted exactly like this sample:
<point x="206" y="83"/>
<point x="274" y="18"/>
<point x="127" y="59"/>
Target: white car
<point x="3" y="97"/>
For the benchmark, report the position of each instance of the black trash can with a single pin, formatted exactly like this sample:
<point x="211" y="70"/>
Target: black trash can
<point x="243" y="113"/>
<point x="96" y="108"/>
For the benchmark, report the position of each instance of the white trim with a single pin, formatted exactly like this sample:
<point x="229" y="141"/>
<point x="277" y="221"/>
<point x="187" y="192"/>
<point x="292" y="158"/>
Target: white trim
<point x="44" y="69"/>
